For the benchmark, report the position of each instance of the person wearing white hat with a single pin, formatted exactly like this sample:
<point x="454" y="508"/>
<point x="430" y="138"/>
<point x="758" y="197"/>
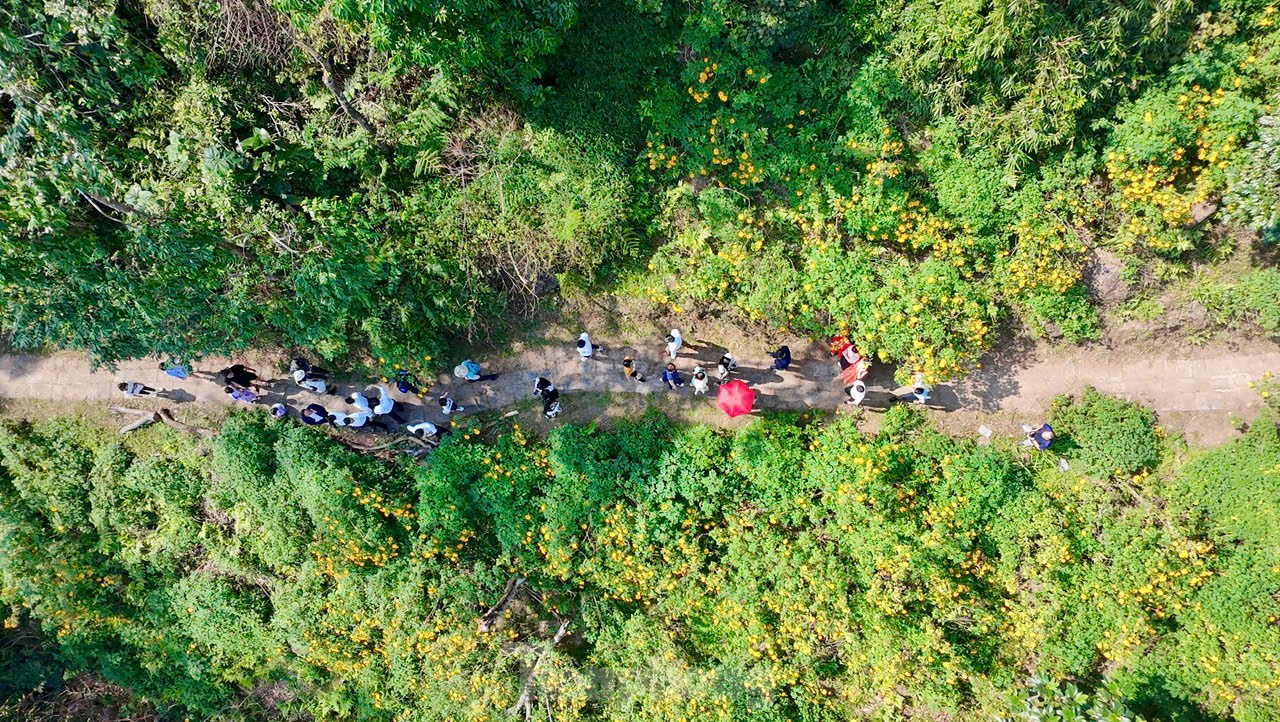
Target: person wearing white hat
<point x="470" y="370"/>
<point x="585" y="348"/>
<point x="857" y="392"/>
<point x="674" y="342"/>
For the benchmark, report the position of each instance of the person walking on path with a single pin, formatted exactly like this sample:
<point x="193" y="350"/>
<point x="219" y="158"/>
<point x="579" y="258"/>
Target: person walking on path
<point x="361" y="402"/>
<point x="361" y="419"/>
<point x="339" y="419"/>
<point x="781" y="358"/>
<point x="919" y="391"/>
<point x="470" y="370"/>
<point x="586" y="349"/>
<point x="857" y="392"/>
<point x="727" y="365"/>
<point x="247" y="395"/>
<point x="314" y="414"/>
<point x="386" y="405"/>
<point x="630" y="371"/>
<point x="1038" y="437"/>
<point x="426" y="431"/>
<point x="239" y="376"/>
<point x="550" y="397"/>
<point x="448" y="406"/>
<point x="279" y="411"/>
<point x="182" y="370"/>
<point x="312" y="378"/>
<point x="671" y="377"/>
<point x="135" y="390"/>
<point x="674" y="342"/>
<point x="408" y="383"/>
<point x="699" y="381"/>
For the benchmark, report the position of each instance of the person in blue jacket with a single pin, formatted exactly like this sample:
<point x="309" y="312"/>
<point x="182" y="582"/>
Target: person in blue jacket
<point x="671" y="377"/>
<point x="1040" y="438"/>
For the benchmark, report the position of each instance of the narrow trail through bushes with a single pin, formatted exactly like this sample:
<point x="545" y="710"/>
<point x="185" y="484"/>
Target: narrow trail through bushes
<point x="1194" y="390"/>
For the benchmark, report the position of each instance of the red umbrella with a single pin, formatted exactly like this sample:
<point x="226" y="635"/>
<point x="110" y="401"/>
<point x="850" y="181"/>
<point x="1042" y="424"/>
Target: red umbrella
<point x="736" y="398"/>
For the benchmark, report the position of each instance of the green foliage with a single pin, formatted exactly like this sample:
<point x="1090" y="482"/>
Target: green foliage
<point x="1112" y="437"/>
<point x="789" y="570"/>
<point x="1249" y="297"/>
<point x="1044" y="699"/>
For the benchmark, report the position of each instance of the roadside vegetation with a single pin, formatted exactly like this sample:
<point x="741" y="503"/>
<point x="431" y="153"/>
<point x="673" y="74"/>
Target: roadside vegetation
<point x="383" y="182"/>
<point x="794" y="569"/>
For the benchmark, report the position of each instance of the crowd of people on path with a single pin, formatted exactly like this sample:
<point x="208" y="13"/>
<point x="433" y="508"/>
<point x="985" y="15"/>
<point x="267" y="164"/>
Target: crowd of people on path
<point x="374" y="408"/>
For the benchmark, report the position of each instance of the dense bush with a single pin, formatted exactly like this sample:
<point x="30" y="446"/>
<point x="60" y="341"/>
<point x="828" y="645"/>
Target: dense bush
<point x="183" y="178"/>
<point x="1109" y="437"/>
<point x="790" y="570"/>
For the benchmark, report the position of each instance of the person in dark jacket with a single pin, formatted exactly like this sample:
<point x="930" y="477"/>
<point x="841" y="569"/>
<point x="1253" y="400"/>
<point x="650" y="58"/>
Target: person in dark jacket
<point x="781" y="358"/>
<point x="314" y="414"/>
<point x="239" y="376"/>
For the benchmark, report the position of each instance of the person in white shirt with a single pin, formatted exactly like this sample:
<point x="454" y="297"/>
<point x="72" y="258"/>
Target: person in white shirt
<point x="857" y="392"/>
<point x="449" y="406"/>
<point x="728" y="364"/>
<point x="425" y="430"/>
<point x="674" y="342"/>
<point x="585" y="348"/>
<point x="387" y="405"/>
<point x="360" y="401"/>
<point x="318" y="385"/>
<point x="700" y="381"/>
<point x="339" y="418"/>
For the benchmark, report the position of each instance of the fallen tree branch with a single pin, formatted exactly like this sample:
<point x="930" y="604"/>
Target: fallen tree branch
<point x="167" y="417"/>
<point x="327" y="76"/>
<point x="140" y="422"/>
<point x="420" y="442"/>
<point x="164" y="416"/>
<point x="485" y="624"/>
<point x="525" y="702"/>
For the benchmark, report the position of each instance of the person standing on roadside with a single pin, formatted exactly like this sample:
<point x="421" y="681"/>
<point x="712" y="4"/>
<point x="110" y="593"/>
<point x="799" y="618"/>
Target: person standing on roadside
<point x="550" y="397"/>
<point x="426" y="431"/>
<point x="1038" y="437"/>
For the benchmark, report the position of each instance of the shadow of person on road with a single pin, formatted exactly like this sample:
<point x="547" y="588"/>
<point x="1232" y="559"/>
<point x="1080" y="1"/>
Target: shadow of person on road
<point x="986" y="387"/>
<point x="179" y="396"/>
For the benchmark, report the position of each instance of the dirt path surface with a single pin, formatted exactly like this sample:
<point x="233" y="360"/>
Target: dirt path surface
<point x="1194" y="390"/>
